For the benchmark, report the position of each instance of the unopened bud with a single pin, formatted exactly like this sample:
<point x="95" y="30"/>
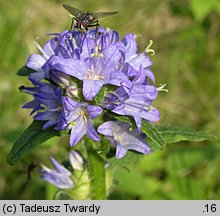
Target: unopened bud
<point x="76" y="160"/>
<point x="60" y="78"/>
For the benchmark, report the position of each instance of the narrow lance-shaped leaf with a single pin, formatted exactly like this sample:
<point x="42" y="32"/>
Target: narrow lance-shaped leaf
<point x="174" y="134"/>
<point x="33" y="136"/>
<point x="152" y="134"/>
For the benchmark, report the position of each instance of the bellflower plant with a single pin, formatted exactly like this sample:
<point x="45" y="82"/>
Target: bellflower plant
<point x="99" y="90"/>
<point x="84" y="81"/>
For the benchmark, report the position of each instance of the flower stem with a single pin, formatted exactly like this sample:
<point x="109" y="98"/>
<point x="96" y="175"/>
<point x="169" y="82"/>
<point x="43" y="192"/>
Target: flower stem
<point x="96" y="170"/>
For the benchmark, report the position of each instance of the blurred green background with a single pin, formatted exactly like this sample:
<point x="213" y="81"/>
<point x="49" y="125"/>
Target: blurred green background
<point x="186" y="37"/>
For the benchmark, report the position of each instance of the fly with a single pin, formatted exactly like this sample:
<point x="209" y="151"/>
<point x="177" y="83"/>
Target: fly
<point x="85" y="20"/>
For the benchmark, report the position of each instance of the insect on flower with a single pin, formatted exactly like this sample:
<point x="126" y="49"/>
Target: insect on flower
<point x="84" y="20"/>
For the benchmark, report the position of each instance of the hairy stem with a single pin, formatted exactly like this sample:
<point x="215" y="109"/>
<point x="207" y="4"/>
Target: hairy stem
<point x="96" y="170"/>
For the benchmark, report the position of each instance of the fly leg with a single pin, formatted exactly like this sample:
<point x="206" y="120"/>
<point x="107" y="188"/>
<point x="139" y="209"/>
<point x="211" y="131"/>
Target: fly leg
<point x="96" y="25"/>
<point x="96" y="28"/>
<point x="71" y="26"/>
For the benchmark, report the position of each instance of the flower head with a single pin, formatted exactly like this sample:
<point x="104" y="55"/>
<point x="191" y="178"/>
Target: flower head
<point x="78" y="75"/>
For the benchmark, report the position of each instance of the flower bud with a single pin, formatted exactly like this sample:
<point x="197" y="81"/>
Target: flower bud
<point x="76" y="160"/>
<point x="60" y="78"/>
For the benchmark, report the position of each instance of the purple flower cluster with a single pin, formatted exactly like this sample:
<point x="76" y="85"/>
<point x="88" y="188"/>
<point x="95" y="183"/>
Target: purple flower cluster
<point x="70" y="73"/>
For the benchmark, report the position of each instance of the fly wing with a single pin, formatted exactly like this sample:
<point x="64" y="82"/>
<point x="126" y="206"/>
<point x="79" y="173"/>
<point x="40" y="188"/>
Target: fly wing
<point x="102" y="14"/>
<point x="74" y="11"/>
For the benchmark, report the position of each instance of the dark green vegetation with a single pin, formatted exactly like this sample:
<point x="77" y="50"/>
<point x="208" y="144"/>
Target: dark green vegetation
<point x="187" y="43"/>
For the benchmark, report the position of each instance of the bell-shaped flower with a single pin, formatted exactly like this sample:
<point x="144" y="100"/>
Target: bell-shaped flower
<point x="124" y="138"/>
<point x="61" y="176"/>
<point x="135" y="101"/>
<point x="62" y="45"/>
<point x="136" y="60"/>
<point x="47" y="102"/>
<point x="78" y="118"/>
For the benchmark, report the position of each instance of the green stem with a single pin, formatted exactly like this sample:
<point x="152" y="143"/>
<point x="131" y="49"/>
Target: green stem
<point x="96" y="168"/>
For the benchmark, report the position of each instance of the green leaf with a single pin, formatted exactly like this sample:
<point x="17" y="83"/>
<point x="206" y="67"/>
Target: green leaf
<point x="100" y="97"/>
<point x="155" y="139"/>
<point x="24" y="71"/>
<point x="174" y="134"/>
<point x="33" y="136"/>
<point x="129" y="158"/>
<point x="126" y="119"/>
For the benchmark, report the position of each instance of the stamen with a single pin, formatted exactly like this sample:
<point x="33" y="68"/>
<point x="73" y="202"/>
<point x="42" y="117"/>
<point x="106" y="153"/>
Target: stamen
<point x="44" y="108"/>
<point x="72" y="91"/>
<point x="97" y="54"/>
<point x="162" y="88"/>
<point x="72" y="123"/>
<point x="137" y="35"/>
<point x="92" y="76"/>
<point x="85" y="119"/>
<point x="85" y="114"/>
<point x="107" y="30"/>
<point x="148" y="48"/>
<point x="73" y="41"/>
<point x="55" y="109"/>
<point x="150" y="107"/>
<point x="40" y="49"/>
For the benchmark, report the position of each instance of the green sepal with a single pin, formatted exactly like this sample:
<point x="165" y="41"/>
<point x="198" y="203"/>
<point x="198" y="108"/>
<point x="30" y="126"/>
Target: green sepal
<point x="126" y="119"/>
<point x="24" y="71"/>
<point x="62" y="195"/>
